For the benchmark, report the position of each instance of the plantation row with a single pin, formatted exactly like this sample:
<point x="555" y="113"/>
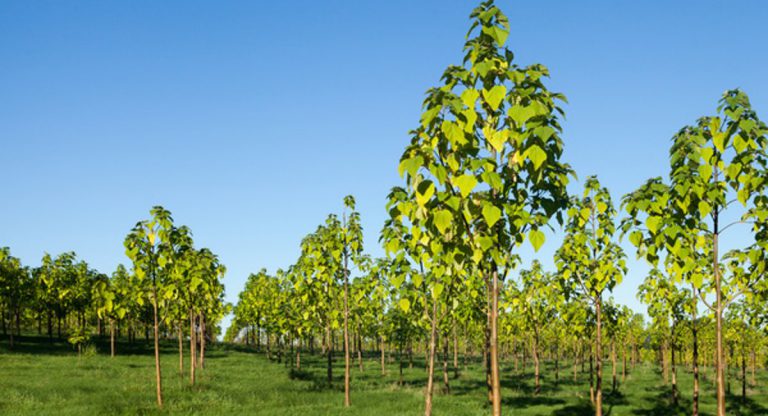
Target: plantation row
<point x="173" y="290"/>
<point x="484" y="175"/>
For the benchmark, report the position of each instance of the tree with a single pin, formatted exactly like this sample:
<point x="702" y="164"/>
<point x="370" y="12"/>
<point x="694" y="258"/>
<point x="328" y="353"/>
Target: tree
<point x="590" y="261"/>
<point x="149" y="245"/>
<point x="719" y="161"/>
<point x="496" y="123"/>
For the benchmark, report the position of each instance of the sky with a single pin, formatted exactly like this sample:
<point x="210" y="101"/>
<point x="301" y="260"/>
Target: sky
<point x="250" y="121"/>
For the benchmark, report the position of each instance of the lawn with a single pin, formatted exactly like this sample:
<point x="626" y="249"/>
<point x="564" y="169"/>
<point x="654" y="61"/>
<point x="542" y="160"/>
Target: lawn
<point x="39" y="378"/>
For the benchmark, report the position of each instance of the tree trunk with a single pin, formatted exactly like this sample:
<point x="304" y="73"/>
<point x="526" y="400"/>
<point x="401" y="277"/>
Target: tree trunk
<point x="329" y="351"/>
<point x="298" y="357"/>
<point x="720" y="375"/>
<point x="494" y="350"/>
<point x="614" y="381"/>
<point x="674" y="373"/>
<point x="695" y="359"/>
<point x="599" y="358"/>
<point x="112" y="338"/>
<point x="446" y="385"/>
<point x="537" y="383"/>
<point x="202" y="340"/>
<point x="431" y="361"/>
<point x="360" y="353"/>
<point x="743" y="373"/>
<point x="383" y="364"/>
<point x="181" y="349"/>
<point x="346" y="336"/>
<point x="456" y="354"/>
<point x="623" y="364"/>
<point x="158" y="377"/>
<point x="591" y="376"/>
<point x="192" y="347"/>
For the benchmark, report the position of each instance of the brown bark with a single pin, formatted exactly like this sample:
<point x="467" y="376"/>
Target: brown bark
<point x="192" y="347"/>
<point x="494" y="350"/>
<point x="431" y="362"/>
<point x="537" y="383"/>
<point x="158" y="378"/>
<point x="599" y="359"/>
<point x="695" y="360"/>
<point x="613" y="365"/>
<point x="383" y="364"/>
<point x="201" y="362"/>
<point x="111" y="337"/>
<point x="346" y="335"/>
<point x="446" y="384"/>
<point x="181" y="349"/>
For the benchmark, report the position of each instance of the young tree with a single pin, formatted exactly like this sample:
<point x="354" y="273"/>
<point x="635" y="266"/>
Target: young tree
<point x="149" y="245"/>
<point x="714" y="164"/>
<point x="590" y="261"/>
<point x="496" y="123"/>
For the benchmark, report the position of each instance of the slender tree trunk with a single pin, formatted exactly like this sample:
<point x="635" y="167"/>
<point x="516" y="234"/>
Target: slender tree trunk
<point x="591" y="377"/>
<point x="192" y="347"/>
<point x="624" y="364"/>
<point x="753" y="364"/>
<point x="158" y="377"/>
<point x="298" y="356"/>
<point x="431" y="361"/>
<point x="112" y="338"/>
<point x="329" y="351"/>
<point x="674" y="374"/>
<point x="202" y="340"/>
<point x="537" y="383"/>
<point x="383" y="364"/>
<point x="360" y="353"/>
<point x="446" y="385"/>
<point x="743" y="372"/>
<point x="614" y="381"/>
<point x="599" y="358"/>
<point x="695" y="358"/>
<point x="456" y="354"/>
<point x="346" y="336"/>
<point x="494" y="350"/>
<point x="557" y="363"/>
<point x="720" y="375"/>
<point x="181" y="348"/>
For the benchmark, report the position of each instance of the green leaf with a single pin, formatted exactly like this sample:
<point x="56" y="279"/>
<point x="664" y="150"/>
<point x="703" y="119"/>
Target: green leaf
<point x="469" y="97"/>
<point x="653" y="223"/>
<point x="405" y="304"/>
<point x="636" y="237"/>
<point x="493" y="180"/>
<point x="466" y="184"/>
<point x="424" y="192"/>
<point x="498" y="34"/>
<point x="536" y="238"/>
<point x="437" y="290"/>
<point x="491" y="214"/>
<point x="498" y="138"/>
<point x="520" y="114"/>
<point x="536" y="155"/>
<point x="442" y="219"/>
<point x="494" y="96"/>
<point x="410" y="165"/>
<point x="705" y="171"/>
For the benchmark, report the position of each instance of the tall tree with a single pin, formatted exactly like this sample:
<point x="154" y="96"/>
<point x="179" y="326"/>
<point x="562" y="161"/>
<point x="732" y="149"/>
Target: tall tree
<point x="590" y="261"/>
<point x="715" y="164"/>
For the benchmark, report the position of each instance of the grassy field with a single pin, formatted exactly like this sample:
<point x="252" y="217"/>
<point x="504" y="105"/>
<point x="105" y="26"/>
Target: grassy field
<point x="42" y="379"/>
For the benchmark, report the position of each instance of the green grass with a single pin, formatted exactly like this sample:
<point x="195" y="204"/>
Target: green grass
<point x="42" y="379"/>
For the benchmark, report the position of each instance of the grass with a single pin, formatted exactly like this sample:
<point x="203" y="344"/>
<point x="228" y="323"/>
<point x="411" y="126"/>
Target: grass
<point x="39" y="378"/>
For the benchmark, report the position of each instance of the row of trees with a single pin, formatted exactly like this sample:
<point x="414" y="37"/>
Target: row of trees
<point x="173" y="289"/>
<point x="483" y="176"/>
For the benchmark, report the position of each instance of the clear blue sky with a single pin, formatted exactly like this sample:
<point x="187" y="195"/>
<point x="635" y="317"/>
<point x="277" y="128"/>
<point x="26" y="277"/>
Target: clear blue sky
<point x="251" y="120"/>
